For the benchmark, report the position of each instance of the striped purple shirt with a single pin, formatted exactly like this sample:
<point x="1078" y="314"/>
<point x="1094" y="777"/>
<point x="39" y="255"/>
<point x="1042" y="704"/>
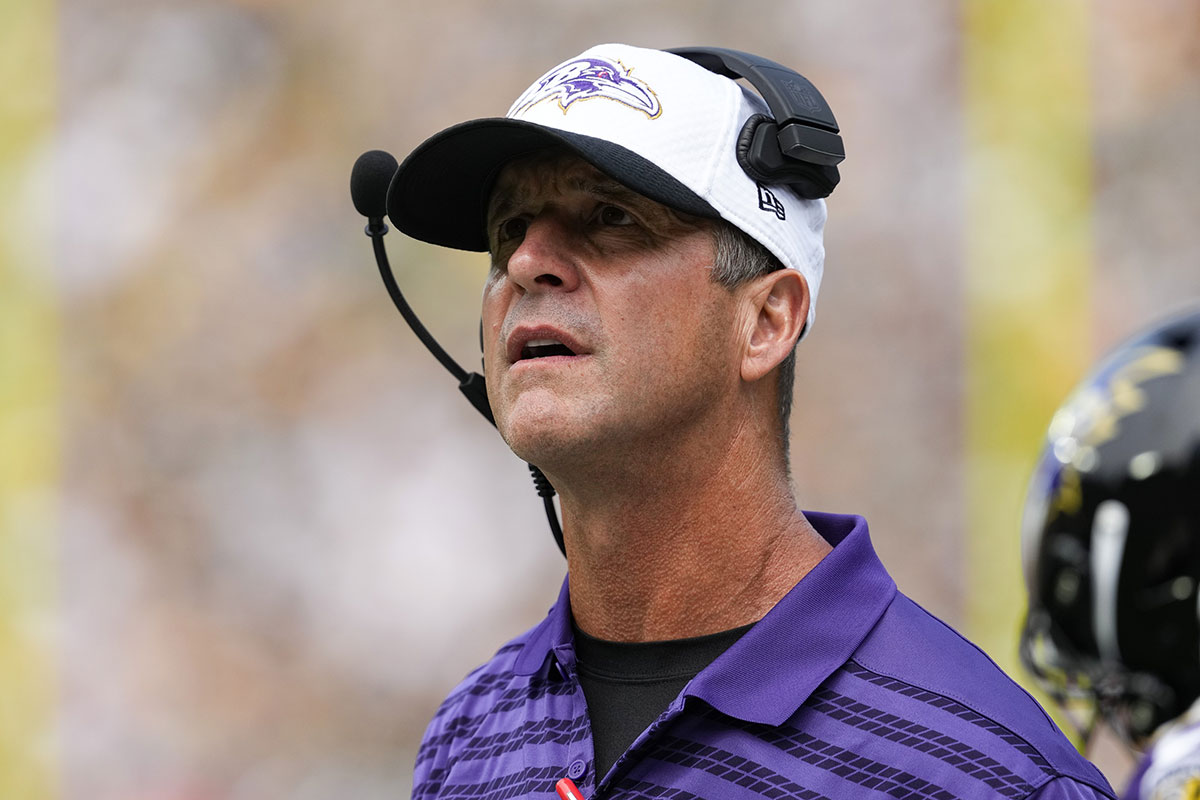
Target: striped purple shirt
<point x="846" y="689"/>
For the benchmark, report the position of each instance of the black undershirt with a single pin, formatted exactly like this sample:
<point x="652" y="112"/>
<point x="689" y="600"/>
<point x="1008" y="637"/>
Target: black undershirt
<point x="628" y="684"/>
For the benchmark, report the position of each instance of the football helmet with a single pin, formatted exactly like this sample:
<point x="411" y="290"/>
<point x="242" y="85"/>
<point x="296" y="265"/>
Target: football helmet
<point x="1111" y="539"/>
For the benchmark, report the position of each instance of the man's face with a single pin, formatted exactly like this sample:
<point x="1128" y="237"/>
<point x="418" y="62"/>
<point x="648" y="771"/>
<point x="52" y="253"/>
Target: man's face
<point x="602" y="328"/>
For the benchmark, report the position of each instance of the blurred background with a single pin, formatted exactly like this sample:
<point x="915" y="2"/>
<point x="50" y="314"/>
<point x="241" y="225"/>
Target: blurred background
<point x="250" y="534"/>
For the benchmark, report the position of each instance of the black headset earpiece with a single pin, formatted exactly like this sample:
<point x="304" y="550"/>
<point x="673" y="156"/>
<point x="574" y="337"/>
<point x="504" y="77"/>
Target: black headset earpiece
<point x="800" y="146"/>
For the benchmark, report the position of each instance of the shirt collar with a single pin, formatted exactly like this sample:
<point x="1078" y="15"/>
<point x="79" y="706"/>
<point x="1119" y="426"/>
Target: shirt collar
<point x="769" y="673"/>
<point x="551" y="635"/>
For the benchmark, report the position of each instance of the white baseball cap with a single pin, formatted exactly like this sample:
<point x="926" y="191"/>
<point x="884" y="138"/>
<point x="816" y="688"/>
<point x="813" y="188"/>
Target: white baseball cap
<point x="659" y="123"/>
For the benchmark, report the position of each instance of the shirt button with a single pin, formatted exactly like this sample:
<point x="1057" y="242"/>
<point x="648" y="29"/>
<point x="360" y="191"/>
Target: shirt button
<point x="576" y="770"/>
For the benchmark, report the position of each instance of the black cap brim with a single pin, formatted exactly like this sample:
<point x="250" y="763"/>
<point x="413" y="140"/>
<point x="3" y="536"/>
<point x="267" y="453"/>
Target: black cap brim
<point x="440" y="193"/>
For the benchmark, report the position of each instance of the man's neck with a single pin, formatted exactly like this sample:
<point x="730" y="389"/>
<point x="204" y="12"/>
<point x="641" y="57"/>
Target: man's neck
<point x="686" y="555"/>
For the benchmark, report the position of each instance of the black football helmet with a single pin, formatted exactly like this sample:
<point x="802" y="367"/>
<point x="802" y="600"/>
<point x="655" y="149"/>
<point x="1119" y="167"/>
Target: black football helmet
<point x="1111" y="539"/>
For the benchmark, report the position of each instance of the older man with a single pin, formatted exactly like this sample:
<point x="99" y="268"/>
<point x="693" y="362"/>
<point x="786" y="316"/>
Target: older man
<point x="650" y="279"/>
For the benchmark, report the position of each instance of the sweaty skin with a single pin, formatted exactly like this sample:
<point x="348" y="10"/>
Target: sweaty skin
<point x="657" y="422"/>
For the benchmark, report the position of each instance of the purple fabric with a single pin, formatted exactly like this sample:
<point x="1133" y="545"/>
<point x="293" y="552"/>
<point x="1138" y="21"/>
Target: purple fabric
<point x="846" y="689"/>
<point x="1171" y="767"/>
<point x="1133" y="790"/>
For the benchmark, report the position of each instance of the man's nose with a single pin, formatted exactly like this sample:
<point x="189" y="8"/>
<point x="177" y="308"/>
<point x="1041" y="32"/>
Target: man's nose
<point x="545" y="260"/>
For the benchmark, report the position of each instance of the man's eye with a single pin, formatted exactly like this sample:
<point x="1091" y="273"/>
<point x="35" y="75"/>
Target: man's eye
<point x="615" y="215"/>
<point x="513" y="228"/>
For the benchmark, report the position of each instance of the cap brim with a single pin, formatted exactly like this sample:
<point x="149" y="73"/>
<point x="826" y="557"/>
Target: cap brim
<point x="440" y="193"/>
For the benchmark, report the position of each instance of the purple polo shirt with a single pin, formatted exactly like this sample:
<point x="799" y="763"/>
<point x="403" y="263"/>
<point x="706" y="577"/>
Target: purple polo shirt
<point x="846" y="689"/>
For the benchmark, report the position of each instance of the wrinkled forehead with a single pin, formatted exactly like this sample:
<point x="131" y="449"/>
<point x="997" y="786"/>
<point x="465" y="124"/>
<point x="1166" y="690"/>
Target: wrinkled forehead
<point x="558" y="173"/>
<point x="555" y="171"/>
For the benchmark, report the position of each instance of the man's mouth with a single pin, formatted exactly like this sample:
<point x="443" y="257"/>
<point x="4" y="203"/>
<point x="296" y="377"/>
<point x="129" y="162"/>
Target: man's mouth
<point x="544" y="348"/>
<point x="531" y="344"/>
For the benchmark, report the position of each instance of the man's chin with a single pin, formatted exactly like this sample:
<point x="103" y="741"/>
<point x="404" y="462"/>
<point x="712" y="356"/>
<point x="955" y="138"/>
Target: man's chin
<point x="542" y="441"/>
<point x="550" y="437"/>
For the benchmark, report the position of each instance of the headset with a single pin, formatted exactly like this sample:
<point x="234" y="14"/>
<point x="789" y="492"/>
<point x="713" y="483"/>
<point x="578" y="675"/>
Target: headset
<point x="798" y="145"/>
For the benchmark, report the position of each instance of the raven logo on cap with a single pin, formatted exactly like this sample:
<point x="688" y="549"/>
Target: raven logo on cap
<point x="585" y="78"/>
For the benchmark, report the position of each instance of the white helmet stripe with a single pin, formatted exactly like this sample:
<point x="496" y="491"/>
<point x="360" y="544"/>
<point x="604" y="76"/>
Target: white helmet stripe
<point x="1109" y="529"/>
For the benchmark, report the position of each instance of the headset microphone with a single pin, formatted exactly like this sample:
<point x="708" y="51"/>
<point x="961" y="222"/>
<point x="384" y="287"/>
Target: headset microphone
<point x="369" y="181"/>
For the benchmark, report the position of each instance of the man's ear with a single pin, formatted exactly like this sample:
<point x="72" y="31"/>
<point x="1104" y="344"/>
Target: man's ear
<point x="778" y="306"/>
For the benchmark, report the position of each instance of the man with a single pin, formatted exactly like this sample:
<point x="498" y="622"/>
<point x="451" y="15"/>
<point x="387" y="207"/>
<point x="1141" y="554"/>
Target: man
<point x="639" y="320"/>
<point x="1111" y="539"/>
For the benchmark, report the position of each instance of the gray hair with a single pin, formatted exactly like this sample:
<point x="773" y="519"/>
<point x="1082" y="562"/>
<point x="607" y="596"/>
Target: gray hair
<point x="738" y="259"/>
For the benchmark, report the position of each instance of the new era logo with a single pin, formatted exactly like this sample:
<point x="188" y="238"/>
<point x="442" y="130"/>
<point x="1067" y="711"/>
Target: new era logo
<point x="769" y="202"/>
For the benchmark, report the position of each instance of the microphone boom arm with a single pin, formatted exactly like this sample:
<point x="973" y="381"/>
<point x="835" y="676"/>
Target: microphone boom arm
<point x="376" y="229"/>
<point x="471" y="384"/>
